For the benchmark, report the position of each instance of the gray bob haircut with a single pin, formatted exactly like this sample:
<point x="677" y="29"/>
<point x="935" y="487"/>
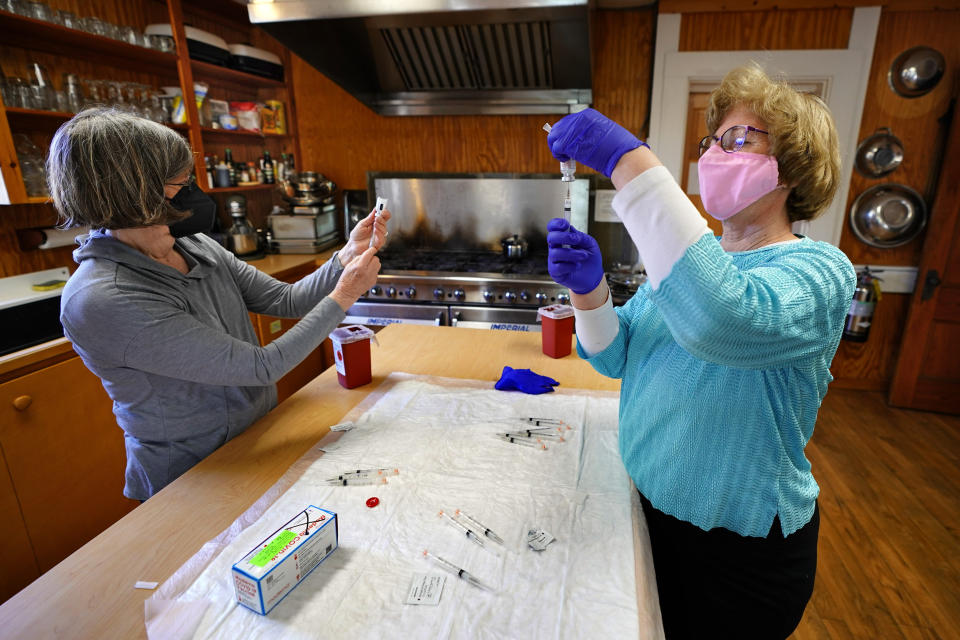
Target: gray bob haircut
<point x="107" y="169"/>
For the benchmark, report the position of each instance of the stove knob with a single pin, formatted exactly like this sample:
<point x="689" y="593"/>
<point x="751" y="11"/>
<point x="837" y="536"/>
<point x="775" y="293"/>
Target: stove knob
<point x="510" y="296"/>
<point x="411" y="293"/>
<point x="489" y="296"/>
<point x="438" y="293"/>
<point x="391" y="292"/>
<point x="459" y="294"/>
<point x="525" y="295"/>
<point x="564" y="298"/>
<point x="541" y="297"/>
<point x="376" y="290"/>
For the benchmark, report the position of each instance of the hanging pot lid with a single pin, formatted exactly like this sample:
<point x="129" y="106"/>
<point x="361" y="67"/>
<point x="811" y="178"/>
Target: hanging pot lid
<point x="916" y="71"/>
<point x="888" y="215"/>
<point x="879" y="154"/>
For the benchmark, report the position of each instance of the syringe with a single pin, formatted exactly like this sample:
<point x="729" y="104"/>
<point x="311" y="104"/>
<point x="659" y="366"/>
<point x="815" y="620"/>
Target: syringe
<point x="455" y="570"/>
<point x="356" y="481"/>
<point x="567" y="171"/>
<point x="469" y="532"/>
<point x="365" y="474"/>
<point x="487" y="532"/>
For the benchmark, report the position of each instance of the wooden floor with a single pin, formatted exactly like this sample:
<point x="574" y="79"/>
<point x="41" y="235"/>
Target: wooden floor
<point x="889" y="554"/>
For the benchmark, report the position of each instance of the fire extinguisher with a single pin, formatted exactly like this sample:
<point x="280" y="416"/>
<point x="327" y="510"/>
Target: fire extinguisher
<point x="865" y="298"/>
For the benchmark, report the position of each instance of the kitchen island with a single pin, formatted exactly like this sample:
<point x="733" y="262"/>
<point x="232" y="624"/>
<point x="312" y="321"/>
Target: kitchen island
<point x="91" y="593"/>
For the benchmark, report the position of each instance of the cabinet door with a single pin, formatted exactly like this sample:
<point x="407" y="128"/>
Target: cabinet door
<point x="16" y="555"/>
<point x="269" y="329"/>
<point x="66" y="457"/>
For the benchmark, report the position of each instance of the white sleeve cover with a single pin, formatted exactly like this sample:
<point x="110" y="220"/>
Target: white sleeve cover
<point x="660" y="219"/>
<point x="597" y="328"/>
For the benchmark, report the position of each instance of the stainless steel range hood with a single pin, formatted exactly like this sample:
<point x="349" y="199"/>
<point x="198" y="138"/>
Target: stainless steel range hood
<point x="429" y="57"/>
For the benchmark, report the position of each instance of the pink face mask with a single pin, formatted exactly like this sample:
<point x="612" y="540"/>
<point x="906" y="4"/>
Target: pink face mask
<point x="729" y="182"/>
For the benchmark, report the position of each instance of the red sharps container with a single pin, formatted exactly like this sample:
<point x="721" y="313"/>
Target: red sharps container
<point x="351" y="353"/>
<point x="557" y="329"/>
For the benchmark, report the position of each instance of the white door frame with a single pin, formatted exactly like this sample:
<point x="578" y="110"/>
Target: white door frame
<point x="845" y="73"/>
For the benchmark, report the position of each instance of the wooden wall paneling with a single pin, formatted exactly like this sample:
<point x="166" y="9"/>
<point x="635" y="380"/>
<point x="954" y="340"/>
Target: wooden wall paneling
<point x="914" y="120"/>
<point x="622" y="44"/>
<point x="870" y="364"/>
<point x="702" y="6"/>
<point x="746" y="30"/>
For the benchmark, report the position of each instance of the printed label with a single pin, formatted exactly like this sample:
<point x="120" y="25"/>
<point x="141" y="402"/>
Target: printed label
<point x="338" y="357"/>
<point x="425" y="589"/>
<point x="273" y="547"/>
<point x="859" y="308"/>
<point x="510" y="327"/>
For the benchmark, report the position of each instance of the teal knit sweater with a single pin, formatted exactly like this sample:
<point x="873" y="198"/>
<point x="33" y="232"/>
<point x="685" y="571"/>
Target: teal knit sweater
<point x="724" y="367"/>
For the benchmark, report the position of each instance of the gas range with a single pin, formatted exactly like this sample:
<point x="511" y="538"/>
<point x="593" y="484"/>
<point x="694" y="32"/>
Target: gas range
<point x="465" y="289"/>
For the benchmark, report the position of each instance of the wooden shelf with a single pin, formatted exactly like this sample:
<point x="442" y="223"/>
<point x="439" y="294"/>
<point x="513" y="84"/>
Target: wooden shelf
<point x="225" y="135"/>
<point x="35" y="119"/>
<point x="37" y="35"/>
<point x="252" y="187"/>
<point x="39" y="200"/>
<point x="237" y="79"/>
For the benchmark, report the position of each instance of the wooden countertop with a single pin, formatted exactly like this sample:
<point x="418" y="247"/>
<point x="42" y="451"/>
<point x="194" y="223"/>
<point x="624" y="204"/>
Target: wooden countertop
<point x="90" y="594"/>
<point x="32" y="358"/>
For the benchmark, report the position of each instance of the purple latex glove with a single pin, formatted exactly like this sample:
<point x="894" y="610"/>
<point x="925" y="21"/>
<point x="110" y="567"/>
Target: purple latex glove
<point x="524" y="380"/>
<point x="573" y="257"/>
<point x="591" y="138"/>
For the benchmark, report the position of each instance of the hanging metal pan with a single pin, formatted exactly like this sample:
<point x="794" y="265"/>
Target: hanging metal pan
<point x="888" y="215"/>
<point x="879" y="154"/>
<point x="916" y="71"/>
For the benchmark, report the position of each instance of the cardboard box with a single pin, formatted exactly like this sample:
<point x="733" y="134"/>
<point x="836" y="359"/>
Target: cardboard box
<point x="280" y="562"/>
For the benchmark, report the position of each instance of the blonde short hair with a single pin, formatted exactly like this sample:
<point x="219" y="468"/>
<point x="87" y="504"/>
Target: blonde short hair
<point x="802" y="134"/>
<point x="107" y="169"/>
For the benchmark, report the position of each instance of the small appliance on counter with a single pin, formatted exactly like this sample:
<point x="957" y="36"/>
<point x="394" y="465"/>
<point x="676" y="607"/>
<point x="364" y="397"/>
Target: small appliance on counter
<point x="310" y="225"/>
<point x="242" y="237"/>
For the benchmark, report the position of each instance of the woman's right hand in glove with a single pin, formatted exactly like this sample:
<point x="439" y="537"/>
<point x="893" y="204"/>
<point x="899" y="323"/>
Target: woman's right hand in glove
<point x="357" y="278"/>
<point x="573" y="257"/>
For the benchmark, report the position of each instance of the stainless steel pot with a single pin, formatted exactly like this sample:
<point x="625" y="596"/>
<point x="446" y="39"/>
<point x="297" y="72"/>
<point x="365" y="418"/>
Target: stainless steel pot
<point x="879" y="154"/>
<point x="916" y="71"/>
<point x="514" y="247"/>
<point x="888" y="215"/>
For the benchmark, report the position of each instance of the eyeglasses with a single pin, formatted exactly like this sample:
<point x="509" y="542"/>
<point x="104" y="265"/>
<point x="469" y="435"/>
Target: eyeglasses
<point x="731" y="141"/>
<point x="189" y="181"/>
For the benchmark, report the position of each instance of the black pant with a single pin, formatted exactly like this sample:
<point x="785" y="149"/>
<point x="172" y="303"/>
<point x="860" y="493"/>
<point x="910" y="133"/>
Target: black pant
<point x="719" y="584"/>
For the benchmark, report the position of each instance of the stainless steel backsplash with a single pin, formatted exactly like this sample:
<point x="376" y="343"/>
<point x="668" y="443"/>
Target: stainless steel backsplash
<point x="474" y="212"/>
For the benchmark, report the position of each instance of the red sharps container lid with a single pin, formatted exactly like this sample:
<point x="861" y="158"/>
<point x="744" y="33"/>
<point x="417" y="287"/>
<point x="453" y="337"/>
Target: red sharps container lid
<point x="353" y="333"/>
<point x="555" y="311"/>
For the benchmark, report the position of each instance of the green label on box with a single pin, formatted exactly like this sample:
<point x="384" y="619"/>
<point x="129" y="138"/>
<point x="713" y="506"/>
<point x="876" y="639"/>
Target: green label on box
<point x="272" y="548"/>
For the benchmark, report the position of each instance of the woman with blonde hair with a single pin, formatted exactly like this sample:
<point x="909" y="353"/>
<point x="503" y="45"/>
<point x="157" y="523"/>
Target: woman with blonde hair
<point x="724" y="353"/>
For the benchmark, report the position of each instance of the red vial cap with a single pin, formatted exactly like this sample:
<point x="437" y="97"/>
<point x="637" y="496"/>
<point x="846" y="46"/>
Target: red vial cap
<point x="372" y="502"/>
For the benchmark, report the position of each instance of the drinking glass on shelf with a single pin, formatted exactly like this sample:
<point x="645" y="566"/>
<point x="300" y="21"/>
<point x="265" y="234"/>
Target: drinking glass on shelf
<point x="31" y="165"/>
<point x="17" y="94"/>
<point x="126" y="33"/>
<point x="74" y="96"/>
<point x="70" y="20"/>
<point x="41" y="91"/>
<point x="39" y="11"/>
<point x="96" y="93"/>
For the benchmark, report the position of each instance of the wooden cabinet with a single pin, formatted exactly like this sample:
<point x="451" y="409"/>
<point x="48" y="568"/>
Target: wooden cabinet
<point x="64" y="467"/>
<point x="62" y="50"/>
<point x="16" y="555"/>
<point x="269" y="328"/>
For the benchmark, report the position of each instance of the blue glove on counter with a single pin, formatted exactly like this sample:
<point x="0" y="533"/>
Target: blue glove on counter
<point x="573" y="257"/>
<point x="524" y="380"/>
<point x="591" y="138"/>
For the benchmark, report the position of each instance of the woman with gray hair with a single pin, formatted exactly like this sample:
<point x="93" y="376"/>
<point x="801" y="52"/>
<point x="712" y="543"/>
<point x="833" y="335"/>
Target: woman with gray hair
<point x="159" y="311"/>
<point x="724" y="353"/>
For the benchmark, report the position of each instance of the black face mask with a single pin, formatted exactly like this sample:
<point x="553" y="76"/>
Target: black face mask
<point x="204" y="208"/>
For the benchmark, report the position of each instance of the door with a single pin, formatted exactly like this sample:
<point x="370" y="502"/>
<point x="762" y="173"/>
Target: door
<point x="927" y="375"/>
<point x="66" y="457"/>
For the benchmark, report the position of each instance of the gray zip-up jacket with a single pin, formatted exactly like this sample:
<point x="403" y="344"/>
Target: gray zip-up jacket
<point x="178" y="353"/>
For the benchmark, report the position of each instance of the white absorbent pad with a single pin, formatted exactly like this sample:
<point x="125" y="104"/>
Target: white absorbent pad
<point x="596" y="579"/>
